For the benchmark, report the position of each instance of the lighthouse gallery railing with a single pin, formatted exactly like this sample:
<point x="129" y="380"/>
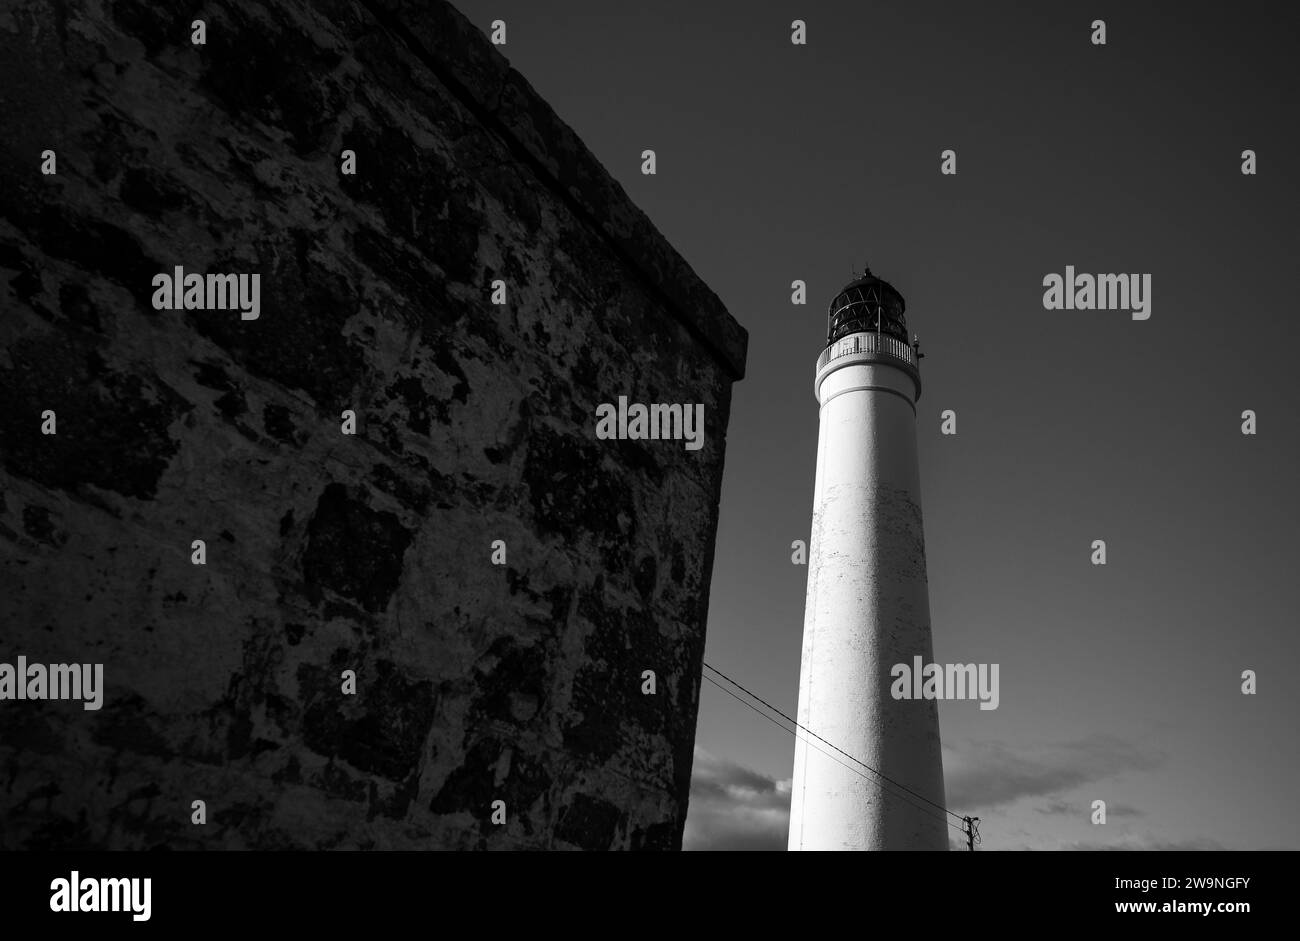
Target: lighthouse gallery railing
<point x="881" y="343"/>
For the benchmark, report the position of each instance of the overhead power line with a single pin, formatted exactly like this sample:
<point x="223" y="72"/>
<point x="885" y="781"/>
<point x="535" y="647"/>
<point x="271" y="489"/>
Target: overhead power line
<point x="967" y="826"/>
<point x="813" y="745"/>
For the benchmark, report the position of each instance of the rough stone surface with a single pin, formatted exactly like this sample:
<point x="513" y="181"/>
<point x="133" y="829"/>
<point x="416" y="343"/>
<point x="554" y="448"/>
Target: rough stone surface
<point x="325" y="552"/>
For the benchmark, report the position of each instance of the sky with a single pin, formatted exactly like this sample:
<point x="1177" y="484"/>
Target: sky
<point x="778" y="162"/>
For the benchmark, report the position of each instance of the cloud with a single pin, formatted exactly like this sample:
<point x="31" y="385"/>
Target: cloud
<point x="734" y="808"/>
<point x="1084" y="809"/>
<point x="1144" y="843"/>
<point x="990" y="774"/>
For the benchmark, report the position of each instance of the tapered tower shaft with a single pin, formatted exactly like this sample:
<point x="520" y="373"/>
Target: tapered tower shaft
<point x="867" y="604"/>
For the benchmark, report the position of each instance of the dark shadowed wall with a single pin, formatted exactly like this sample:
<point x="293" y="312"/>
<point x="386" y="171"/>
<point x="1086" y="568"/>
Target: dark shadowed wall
<point x="328" y="552"/>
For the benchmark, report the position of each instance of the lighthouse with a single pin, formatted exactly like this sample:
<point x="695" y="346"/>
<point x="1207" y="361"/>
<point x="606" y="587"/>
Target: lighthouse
<point x="867" y="606"/>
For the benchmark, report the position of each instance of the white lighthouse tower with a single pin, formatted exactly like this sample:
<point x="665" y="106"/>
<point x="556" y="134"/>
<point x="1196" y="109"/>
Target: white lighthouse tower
<point x="868" y="606"/>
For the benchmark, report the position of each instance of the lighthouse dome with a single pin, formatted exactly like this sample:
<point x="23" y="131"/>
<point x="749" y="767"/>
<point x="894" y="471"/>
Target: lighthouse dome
<point x="867" y="305"/>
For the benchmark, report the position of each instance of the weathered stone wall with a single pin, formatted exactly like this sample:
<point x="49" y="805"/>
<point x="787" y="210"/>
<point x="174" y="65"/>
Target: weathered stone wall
<point x="327" y="552"/>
